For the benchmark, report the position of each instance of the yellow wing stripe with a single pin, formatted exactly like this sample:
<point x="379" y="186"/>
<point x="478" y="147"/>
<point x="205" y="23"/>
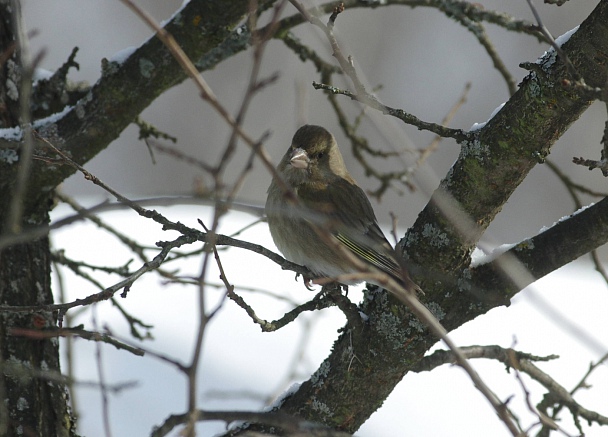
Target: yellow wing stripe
<point x="376" y="259"/>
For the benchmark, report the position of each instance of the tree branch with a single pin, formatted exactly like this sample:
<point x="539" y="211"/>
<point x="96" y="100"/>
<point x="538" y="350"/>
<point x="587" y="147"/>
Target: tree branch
<point x="124" y="90"/>
<point x="531" y="259"/>
<point x="458" y="134"/>
<point x="487" y="172"/>
<point x="492" y="165"/>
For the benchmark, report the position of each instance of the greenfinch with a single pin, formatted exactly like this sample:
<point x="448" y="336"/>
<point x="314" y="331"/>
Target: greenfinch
<point x="328" y="204"/>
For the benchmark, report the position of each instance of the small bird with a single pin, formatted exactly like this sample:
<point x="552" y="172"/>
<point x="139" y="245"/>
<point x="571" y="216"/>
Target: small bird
<point x="326" y="198"/>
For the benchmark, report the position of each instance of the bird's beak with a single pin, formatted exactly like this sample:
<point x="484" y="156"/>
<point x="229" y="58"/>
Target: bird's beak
<point x="299" y="159"/>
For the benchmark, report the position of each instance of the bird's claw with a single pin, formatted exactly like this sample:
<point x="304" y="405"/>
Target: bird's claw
<point x="345" y="288"/>
<point x="306" y="282"/>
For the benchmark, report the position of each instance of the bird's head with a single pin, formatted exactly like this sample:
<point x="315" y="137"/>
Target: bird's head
<point x="313" y="156"/>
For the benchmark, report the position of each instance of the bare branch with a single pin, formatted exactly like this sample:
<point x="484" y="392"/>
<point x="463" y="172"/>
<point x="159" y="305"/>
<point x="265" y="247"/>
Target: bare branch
<point x="78" y="332"/>
<point x="458" y="134"/>
<point x="549" y="38"/>
<point x="492" y="352"/>
<point x="206" y="92"/>
<point x="294" y="426"/>
<point x="479" y="32"/>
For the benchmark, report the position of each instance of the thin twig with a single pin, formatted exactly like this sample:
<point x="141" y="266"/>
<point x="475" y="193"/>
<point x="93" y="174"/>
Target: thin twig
<point x="545" y="420"/>
<point x="549" y="38"/>
<point x="102" y="337"/>
<point x="16" y="206"/>
<point x="179" y="155"/>
<point x="359" y="146"/>
<point x="192" y="368"/>
<point x="581" y="384"/>
<point x="458" y="134"/>
<point x="361" y="95"/>
<point x="428" y="151"/>
<point x="294" y="426"/>
<point x="108" y="292"/>
<point x="478" y="30"/>
<point x="105" y="403"/>
<point x="206" y="92"/>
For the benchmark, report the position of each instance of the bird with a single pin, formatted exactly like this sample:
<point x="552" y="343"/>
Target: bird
<point x="312" y="198"/>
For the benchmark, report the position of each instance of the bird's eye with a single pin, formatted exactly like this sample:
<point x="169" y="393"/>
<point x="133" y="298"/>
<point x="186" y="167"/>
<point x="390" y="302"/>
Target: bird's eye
<point x="319" y="155"/>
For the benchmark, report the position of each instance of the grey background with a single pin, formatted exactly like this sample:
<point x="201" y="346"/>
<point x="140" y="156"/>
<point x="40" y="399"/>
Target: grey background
<point x="422" y="59"/>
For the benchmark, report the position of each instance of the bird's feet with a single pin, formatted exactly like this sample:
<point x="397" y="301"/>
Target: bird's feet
<point x="307" y="280"/>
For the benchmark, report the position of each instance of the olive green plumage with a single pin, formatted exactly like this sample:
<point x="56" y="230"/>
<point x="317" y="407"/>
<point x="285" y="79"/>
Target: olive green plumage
<point x="329" y="198"/>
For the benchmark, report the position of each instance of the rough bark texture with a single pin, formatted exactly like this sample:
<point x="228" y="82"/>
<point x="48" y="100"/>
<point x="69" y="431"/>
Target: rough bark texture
<point x="9" y="72"/>
<point x="539" y="255"/>
<point x="35" y="403"/>
<point x="32" y="404"/>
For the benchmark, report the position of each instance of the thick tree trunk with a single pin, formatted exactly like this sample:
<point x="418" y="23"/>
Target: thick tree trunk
<point x="33" y="400"/>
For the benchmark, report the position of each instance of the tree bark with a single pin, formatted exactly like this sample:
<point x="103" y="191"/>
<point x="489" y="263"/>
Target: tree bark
<point x="34" y="400"/>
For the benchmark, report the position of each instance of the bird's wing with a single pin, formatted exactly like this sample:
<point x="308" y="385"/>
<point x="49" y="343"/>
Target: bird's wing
<point x="346" y="211"/>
